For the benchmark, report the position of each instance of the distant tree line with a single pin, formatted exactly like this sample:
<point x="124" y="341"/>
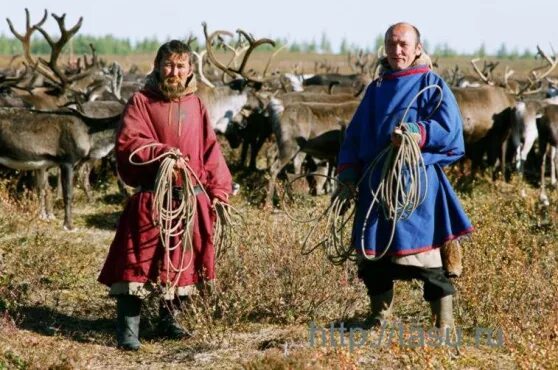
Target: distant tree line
<point x="109" y="44"/>
<point x="442" y="49"/>
<point x="79" y="44"/>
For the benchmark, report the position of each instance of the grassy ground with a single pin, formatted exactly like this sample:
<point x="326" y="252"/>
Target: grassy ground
<point x="53" y="313"/>
<point x="270" y="298"/>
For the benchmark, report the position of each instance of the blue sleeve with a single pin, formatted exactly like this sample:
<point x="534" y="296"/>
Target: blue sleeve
<point x="443" y="131"/>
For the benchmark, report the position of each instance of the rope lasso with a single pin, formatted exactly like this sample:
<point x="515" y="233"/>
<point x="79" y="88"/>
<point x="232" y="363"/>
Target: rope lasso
<point x="403" y="164"/>
<point x="226" y="220"/>
<point x="178" y="221"/>
<point x="333" y="242"/>
<point x="173" y="221"/>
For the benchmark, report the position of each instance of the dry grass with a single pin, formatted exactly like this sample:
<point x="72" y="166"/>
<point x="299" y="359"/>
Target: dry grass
<point x="53" y="313"/>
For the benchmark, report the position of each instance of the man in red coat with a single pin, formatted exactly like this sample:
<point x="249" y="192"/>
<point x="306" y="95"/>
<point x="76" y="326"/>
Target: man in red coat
<point x="166" y="113"/>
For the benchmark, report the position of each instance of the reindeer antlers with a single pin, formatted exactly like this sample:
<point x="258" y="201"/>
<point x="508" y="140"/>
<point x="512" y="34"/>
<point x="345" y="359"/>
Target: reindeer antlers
<point x="253" y="44"/>
<point x="49" y="69"/>
<point x="26" y="38"/>
<point x="483" y="77"/>
<point x="530" y="88"/>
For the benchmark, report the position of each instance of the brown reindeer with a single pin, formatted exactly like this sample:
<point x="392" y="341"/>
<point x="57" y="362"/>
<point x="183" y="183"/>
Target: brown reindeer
<point x="302" y="120"/>
<point x="31" y="140"/>
<point x="492" y="114"/>
<point x="487" y="117"/>
<point x="548" y="145"/>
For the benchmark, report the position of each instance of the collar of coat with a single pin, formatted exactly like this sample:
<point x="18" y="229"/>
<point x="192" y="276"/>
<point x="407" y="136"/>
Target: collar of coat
<point x="421" y="64"/>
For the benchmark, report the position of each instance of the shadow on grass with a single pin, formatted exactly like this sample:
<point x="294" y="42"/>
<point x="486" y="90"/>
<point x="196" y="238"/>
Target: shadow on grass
<point x="253" y="183"/>
<point x="105" y="221"/>
<point x="46" y="321"/>
<point x="114" y="198"/>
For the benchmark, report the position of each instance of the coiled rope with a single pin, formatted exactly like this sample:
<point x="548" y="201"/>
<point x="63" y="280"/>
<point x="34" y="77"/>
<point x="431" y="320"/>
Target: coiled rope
<point x="173" y="221"/>
<point x="178" y="220"/>
<point x="335" y="221"/>
<point x="228" y="219"/>
<point x="398" y="193"/>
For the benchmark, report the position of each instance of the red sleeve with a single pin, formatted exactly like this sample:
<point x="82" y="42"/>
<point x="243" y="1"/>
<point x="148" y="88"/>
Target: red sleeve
<point x="136" y="130"/>
<point x="219" y="179"/>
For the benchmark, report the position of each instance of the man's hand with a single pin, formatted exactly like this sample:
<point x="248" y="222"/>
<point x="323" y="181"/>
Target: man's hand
<point x="179" y="167"/>
<point x="344" y="194"/>
<point x="410" y="128"/>
<point x="345" y="191"/>
<point x="397" y="137"/>
<point x="222" y="211"/>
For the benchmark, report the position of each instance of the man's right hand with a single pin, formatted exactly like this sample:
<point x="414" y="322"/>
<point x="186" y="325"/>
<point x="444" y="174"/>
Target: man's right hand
<point x="179" y="166"/>
<point x="344" y="193"/>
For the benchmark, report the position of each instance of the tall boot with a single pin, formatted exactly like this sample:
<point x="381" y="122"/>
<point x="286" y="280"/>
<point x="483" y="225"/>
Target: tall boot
<point x="128" y="309"/>
<point x="168" y="325"/>
<point x="381" y="308"/>
<point x="442" y="314"/>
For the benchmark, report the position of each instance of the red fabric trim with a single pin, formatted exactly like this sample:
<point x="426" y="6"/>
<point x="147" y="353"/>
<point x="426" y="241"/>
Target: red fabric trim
<point x="407" y="72"/>
<point x="422" y="135"/>
<point x="369" y="252"/>
<point x="461" y="233"/>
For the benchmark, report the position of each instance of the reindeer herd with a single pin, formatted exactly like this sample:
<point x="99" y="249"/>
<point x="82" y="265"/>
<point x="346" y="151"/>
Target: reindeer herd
<point x="65" y="115"/>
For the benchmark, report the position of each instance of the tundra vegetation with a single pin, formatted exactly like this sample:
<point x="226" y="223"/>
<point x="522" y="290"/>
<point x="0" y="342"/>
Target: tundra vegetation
<point x="53" y="313"/>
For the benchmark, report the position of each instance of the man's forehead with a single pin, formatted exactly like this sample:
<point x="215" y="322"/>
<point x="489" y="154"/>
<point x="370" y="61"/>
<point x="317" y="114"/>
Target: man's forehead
<point x="177" y="58"/>
<point x="402" y="31"/>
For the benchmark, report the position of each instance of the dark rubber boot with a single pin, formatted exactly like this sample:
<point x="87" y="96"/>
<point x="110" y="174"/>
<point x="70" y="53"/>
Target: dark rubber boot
<point x="128" y="309"/>
<point x="380" y="309"/>
<point x="168" y="325"/>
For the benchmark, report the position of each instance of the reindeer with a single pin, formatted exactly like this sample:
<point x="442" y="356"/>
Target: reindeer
<point x="256" y="128"/>
<point x="355" y="83"/>
<point x="492" y="115"/>
<point x="323" y="147"/>
<point x="302" y="120"/>
<point x="524" y="129"/>
<point x="548" y="145"/>
<point x="224" y="103"/>
<point x="252" y="132"/>
<point x="487" y="115"/>
<point x="102" y="143"/>
<point x="31" y="140"/>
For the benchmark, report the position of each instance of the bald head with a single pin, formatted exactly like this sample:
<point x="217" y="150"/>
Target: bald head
<point x="403" y="26"/>
<point x="403" y="46"/>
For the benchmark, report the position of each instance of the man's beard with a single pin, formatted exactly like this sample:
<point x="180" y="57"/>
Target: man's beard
<point x="171" y="89"/>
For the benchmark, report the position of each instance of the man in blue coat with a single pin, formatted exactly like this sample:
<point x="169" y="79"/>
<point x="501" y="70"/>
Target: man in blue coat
<point x="434" y="120"/>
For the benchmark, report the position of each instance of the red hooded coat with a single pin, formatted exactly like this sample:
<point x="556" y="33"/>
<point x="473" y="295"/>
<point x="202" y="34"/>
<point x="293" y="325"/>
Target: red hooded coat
<point x="136" y="253"/>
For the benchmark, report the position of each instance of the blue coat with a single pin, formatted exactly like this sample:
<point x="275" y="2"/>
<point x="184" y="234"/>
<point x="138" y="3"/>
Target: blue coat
<point x="440" y="217"/>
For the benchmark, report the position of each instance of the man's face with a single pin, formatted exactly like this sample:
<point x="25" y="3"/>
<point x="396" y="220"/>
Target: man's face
<point x="174" y="71"/>
<point x="402" y="47"/>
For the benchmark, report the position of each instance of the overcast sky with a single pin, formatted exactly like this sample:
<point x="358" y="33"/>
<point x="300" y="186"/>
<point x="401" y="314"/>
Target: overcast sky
<point x="464" y="25"/>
